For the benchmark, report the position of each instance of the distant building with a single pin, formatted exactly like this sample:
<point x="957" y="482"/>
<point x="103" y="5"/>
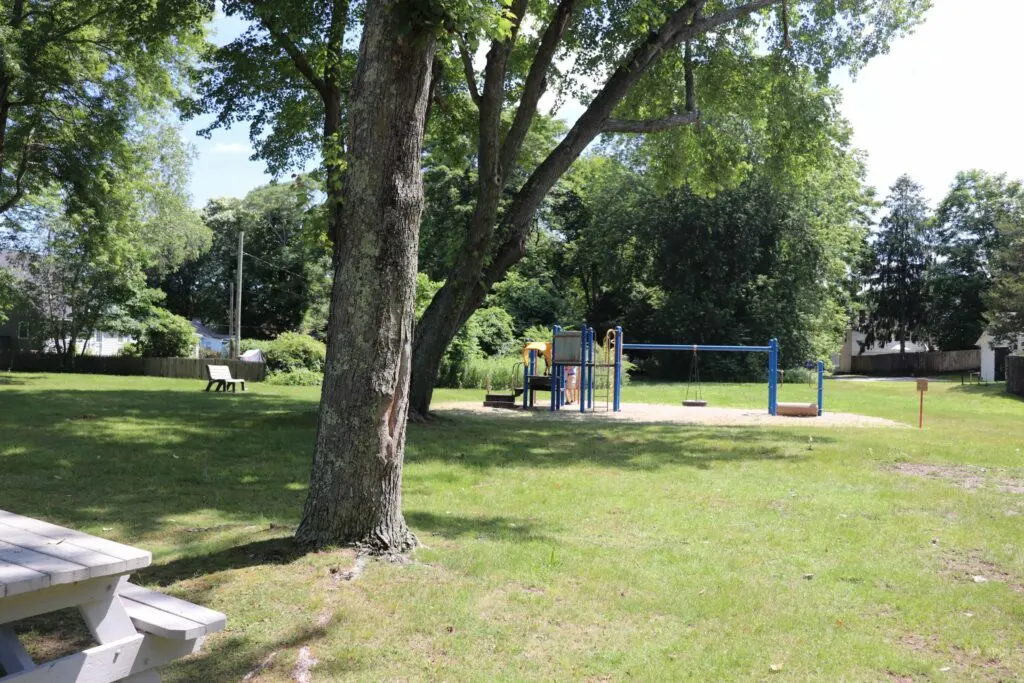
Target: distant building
<point x="16" y="334"/>
<point x="843" y="361"/>
<point x="993" y="356"/>
<point x="213" y="341"/>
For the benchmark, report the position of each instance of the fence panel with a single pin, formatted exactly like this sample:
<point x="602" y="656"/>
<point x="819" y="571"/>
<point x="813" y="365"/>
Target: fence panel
<point x="925" y="363"/>
<point x="180" y="368"/>
<point x="1015" y="375"/>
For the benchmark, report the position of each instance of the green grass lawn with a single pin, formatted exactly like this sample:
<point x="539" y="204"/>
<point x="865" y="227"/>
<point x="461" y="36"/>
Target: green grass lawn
<point x="558" y="551"/>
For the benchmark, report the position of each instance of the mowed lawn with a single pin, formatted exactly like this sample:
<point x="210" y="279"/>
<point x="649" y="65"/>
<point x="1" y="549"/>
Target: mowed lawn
<point x="558" y="550"/>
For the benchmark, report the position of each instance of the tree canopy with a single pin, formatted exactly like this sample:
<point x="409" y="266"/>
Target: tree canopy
<point x="286" y="272"/>
<point x="75" y="80"/>
<point x="967" y="231"/>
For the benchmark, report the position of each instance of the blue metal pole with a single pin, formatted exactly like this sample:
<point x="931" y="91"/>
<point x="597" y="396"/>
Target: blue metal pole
<point x="617" y="397"/>
<point x="821" y="387"/>
<point x="698" y="347"/>
<point x="552" y="369"/>
<point x="581" y="376"/>
<point x="590" y="373"/>
<point x="773" y="379"/>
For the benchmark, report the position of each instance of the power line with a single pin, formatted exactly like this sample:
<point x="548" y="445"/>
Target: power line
<point x="274" y="265"/>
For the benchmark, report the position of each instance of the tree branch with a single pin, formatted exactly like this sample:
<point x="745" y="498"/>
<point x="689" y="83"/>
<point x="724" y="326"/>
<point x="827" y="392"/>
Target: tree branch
<point x="684" y="24"/>
<point x="691" y="90"/>
<point x="297" y="56"/>
<point x="535" y="84"/>
<point x="650" y="126"/>
<point x="467" y="67"/>
<point x="702" y="26"/>
<point x="19" y="188"/>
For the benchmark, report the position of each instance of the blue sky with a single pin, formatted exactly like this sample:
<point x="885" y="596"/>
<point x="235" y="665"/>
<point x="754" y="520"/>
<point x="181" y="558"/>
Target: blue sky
<point x="943" y="100"/>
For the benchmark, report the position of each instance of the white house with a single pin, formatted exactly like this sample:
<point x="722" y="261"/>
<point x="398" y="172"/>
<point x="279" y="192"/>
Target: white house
<point x="843" y="362"/>
<point x="993" y="356"/>
<point x="102" y="343"/>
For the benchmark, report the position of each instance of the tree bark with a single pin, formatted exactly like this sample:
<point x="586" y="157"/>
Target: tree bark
<point x="355" y="491"/>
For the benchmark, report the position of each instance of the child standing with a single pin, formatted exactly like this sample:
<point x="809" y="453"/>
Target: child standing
<point x="572" y="385"/>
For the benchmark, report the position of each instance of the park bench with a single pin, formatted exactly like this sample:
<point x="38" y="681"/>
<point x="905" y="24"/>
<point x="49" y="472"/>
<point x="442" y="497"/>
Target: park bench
<point x="45" y="568"/>
<point x="220" y="377"/>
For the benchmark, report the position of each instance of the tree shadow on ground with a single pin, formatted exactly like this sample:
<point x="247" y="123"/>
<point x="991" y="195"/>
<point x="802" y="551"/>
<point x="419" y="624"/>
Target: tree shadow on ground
<point x="272" y="551"/>
<point x="63" y="633"/>
<point x="486" y="442"/>
<point x="169" y="462"/>
<point x="138" y="459"/>
<point x="455" y="526"/>
<point x="995" y="390"/>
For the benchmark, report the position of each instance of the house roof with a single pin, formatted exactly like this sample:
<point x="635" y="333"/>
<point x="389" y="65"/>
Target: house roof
<point x="205" y="331"/>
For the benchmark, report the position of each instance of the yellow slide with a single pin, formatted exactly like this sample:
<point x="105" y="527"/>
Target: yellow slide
<point x="538" y="346"/>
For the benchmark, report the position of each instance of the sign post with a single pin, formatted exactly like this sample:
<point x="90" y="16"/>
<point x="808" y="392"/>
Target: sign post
<point x="922" y="386"/>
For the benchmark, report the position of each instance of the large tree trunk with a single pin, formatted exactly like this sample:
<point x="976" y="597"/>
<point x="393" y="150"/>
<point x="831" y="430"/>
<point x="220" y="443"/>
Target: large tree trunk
<point x="355" y="491"/>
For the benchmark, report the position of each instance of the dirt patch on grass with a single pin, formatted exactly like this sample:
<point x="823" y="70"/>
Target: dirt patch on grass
<point x="972" y="567"/>
<point x="953" y="660"/>
<point x="965" y="476"/>
<point x="661" y="414"/>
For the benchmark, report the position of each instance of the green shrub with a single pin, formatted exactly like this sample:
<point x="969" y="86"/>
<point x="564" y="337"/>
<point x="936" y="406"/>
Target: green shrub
<point x="296" y="378"/>
<point x="495" y="330"/>
<point x="130" y="350"/>
<point x="166" y="335"/>
<point x="290" y="352"/>
<point x="463" y="350"/>
<point x="537" y="333"/>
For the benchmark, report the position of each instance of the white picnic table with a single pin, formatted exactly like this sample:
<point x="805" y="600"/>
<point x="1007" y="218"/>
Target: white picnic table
<point x="45" y="568"/>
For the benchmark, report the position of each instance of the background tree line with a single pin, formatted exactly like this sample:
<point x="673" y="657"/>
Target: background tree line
<point x="944" y="277"/>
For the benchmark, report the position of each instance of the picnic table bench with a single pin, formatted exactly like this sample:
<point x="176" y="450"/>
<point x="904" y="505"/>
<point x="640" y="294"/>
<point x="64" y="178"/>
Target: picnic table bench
<point x="45" y="568"/>
<point x="220" y="375"/>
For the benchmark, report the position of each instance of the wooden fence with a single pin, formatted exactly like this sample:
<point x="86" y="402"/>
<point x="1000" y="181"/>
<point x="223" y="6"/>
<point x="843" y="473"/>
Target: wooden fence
<point x="1015" y="375"/>
<point x="915" y="364"/>
<point x="182" y="368"/>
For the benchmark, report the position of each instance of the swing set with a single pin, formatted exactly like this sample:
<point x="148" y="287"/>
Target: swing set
<point x="599" y="369"/>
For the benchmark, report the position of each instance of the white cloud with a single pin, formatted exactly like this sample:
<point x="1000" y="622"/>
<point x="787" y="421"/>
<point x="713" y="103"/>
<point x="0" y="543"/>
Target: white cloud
<point x="231" y="148"/>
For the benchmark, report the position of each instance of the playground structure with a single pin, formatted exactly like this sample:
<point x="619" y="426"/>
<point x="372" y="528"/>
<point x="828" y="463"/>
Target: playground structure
<point x="598" y="372"/>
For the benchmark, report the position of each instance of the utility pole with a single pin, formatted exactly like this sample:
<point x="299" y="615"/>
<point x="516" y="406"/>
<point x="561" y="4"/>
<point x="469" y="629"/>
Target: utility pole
<point x="231" y="320"/>
<point x="238" y="295"/>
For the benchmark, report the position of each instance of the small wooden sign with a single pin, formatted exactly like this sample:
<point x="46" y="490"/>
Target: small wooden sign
<point x="922" y="385"/>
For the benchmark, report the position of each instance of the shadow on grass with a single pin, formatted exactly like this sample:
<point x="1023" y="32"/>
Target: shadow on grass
<point x="502" y="442"/>
<point x="6" y="379"/>
<point x="492" y="528"/>
<point x="995" y="390"/>
<point x="138" y="459"/>
<point x="157" y="462"/>
<point x="274" y="551"/>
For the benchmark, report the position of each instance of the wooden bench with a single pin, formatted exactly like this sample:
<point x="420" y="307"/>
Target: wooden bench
<point x="168" y="617"/>
<point x="220" y="377"/>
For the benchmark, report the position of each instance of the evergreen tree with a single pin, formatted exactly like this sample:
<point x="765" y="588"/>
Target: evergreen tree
<point x="897" y="306"/>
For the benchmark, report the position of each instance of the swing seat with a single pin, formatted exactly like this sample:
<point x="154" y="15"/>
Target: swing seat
<point x="695" y="403"/>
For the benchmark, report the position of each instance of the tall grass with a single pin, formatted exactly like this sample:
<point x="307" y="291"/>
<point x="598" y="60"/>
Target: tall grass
<point x="501" y="373"/>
